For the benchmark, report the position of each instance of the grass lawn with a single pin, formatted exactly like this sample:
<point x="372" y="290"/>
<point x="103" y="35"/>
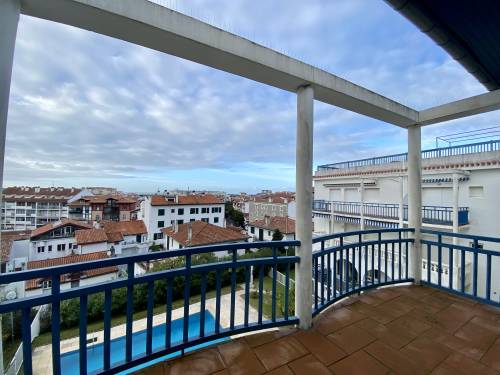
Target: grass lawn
<point x="46" y="338"/>
<point x="267" y="300"/>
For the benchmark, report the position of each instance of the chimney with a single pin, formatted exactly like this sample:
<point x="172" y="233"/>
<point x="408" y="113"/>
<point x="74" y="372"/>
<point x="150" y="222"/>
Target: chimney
<point x="176" y="198"/>
<point x="267" y="220"/>
<point x="190" y="232"/>
<point x="270" y="200"/>
<point x="176" y="227"/>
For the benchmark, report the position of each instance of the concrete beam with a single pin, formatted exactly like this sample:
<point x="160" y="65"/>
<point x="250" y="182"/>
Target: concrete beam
<point x="150" y="25"/>
<point x="474" y="105"/>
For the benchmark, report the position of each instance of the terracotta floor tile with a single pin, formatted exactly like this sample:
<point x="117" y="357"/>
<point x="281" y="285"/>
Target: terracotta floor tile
<point x="385" y="294"/>
<point x="309" y="365"/>
<point x="351" y="339"/>
<point x="464" y="365"/>
<point x="338" y="319"/>
<point x="239" y="358"/>
<point x="428" y="354"/>
<point x="492" y="356"/>
<point x="393" y="359"/>
<point x="481" y="337"/>
<point x="359" y="363"/>
<point x="392" y="336"/>
<point x="222" y="372"/>
<point x="280" y="352"/>
<point x="488" y="323"/>
<point x="437" y="301"/>
<point x="455" y="343"/>
<point x="453" y="317"/>
<point x="203" y="362"/>
<point x="361" y="307"/>
<point x="265" y="337"/>
<point x="370" y="299"/>
<point x="416" y="291"/>
<point x="283" y="370"/>
<point x="322" y="348"/>
<point x="158" y="369"/>
<point x="411" y="326"/>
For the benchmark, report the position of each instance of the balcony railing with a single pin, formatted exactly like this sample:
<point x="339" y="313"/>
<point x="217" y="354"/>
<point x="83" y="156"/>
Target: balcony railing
<point x="439" y="215"/>
<point x="426" y="154"/>
<point x="479" y="252"/>
<point x="207" y="273"/>
<point x="351" y="262"/>
<point x="346" y="263"/>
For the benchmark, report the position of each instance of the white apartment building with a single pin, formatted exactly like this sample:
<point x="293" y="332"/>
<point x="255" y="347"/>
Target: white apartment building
<point x="271" y="204"/>
<point x="262" y="230"/>
<point x="160" y="212"/>
<point x="459" y="194"/>
<point x="32" y="207"/>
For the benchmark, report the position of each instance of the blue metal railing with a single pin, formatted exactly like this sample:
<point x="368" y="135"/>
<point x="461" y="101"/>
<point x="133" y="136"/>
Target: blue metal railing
<point x="476" y="283"/>
<point x="439" y="215"/>
<point x="426" y="154"/>
<point x="351" y="262"/>
<point x="234" y="263"/>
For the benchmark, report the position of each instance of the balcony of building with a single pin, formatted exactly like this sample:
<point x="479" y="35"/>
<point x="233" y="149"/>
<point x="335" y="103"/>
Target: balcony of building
<point x="387" y="215"/>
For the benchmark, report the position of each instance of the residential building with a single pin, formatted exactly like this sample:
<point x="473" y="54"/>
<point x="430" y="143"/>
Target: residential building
<point x="14" y="249"/>
<point x="159" y="211"/>
<point x="262" y="230"/>
<point x="103" y="207"/>
<point x="271" y="204"/>
<point x="70" y="280"/>
<point x="199" y="233"/>
<point x="55" y="240"/>
<point x="26" y="207"/>
<point x="459" y="187"/>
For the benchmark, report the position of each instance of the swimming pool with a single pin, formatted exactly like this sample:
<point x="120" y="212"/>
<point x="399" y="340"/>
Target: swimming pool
<point x="95" y="361"/>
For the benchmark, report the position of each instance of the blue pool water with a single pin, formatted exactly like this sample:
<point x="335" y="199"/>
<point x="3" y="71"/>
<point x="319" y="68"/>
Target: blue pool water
<point x="95" y="361"/>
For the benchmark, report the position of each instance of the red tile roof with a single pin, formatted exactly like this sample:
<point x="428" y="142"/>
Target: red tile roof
<point x="195" y="199"/>
<point x="58" y="224"/>
<point x="90" y="236"/>
<point x="126" y="228"/>
<point x="101" y="199"/>
<point x="70" y="259"/>
<point x="38" y="194"/>
<point x="204" y="234"/>
<point x="284" y="224"/>
<point x="7" y="238"/>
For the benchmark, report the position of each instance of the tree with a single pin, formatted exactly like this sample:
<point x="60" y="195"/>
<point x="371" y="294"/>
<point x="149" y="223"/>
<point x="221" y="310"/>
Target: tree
<point x="234" y="216"/>
<point x="277" y="235"/>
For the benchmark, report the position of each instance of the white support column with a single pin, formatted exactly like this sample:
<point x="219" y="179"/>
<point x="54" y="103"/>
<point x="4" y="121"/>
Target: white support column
<point x="332" y="213"/>
<point x="303" y="223"/>
<point x="362" y="206"/>
<point x="455" y="206"/>
<point x="9" y="18"/>
<point x="415" y="197"/>
<point x="401" y="202"/>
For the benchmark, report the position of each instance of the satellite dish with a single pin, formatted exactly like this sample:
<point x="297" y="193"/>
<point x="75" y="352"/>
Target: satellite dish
<point x="11" y="294"/>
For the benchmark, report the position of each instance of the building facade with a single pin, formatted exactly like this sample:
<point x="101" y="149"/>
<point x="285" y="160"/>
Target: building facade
<point x="459" y="188"/>
<point x="32" y="207"/>
<point x="262" y="230"/>
<point x="103" y="208"/>
<point x="160" y="212"/>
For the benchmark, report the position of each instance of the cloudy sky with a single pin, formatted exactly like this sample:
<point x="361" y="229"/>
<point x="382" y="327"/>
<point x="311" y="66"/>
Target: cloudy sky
<point x="88" y="110"/>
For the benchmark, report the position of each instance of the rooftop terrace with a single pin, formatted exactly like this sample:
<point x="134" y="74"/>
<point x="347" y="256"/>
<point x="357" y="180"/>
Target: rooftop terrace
<point x="471" y="148"/>
<point x="403" y="330"/>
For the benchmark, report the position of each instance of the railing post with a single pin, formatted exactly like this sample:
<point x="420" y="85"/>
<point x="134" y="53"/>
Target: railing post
<point x="415" y="197"/>
<point x="304" y="163"/>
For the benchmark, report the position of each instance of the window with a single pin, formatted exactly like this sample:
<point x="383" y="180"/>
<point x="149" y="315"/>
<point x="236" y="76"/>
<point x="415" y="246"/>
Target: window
<point x="97" y="217"/>
<point x="216" y="210"/>
<point x="158" y="236"/>
<point x="268" y="232"/>
<point x="216" y="219"/>
<point x="40" y="249"/>
<point x="138" y="238"/>
<point x="49" y="248"/>
<point x="205" y="219"/>
<point x="252" y="230"/>
<point x="172" y="210"/>
<point x="476" y="192"/>
<point x="61" y="247"/>
<point x="161" y="224"/>
<point x="70" y="246"/>
<point x="47" y="284"/>
<point x="193" y="210"/>
<point x="180" y="211"/>
<point x="191" y="220"/>
<point x="204" y="210"/>
<point x="161" y="212"/>
<point x="180" y="222"/>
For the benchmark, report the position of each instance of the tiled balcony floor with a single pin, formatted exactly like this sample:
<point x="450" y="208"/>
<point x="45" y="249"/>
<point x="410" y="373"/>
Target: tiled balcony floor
<point x="398" y="330"/>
